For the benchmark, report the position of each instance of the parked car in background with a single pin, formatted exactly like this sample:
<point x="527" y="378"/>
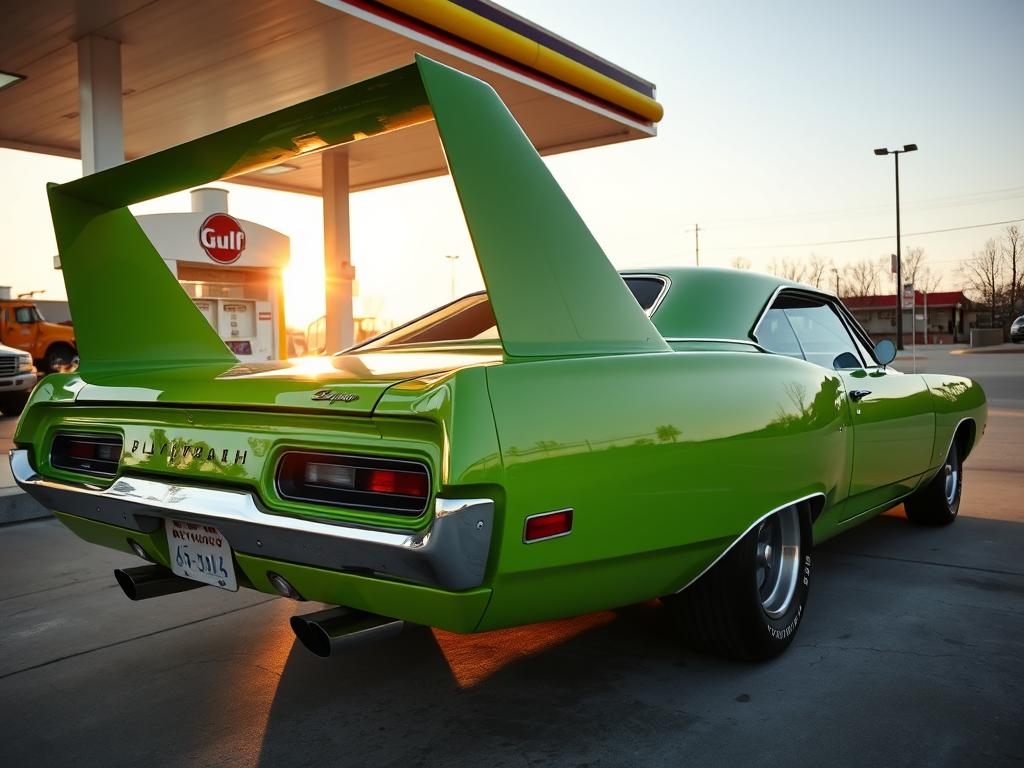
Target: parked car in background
<point x="17" y="377"/>
<point x="574" y="439"/>
<point x="1017" y="330"/>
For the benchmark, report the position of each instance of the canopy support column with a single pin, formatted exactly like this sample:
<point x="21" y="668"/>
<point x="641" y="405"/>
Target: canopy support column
<point x="339" y="273"/>
<point x="100" y="118"/>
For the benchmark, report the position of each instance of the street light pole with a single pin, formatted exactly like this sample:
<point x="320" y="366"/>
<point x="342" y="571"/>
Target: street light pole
<point x="899" y="253"/>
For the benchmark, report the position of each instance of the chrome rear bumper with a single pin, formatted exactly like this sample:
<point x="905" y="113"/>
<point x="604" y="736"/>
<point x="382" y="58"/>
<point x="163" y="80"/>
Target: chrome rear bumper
<point x="450" y="554"/>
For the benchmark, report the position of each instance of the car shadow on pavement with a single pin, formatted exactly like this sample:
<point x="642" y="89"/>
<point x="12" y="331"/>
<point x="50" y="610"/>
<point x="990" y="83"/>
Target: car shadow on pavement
<point x="412" y="699"/>
<point x="609" y="687"/>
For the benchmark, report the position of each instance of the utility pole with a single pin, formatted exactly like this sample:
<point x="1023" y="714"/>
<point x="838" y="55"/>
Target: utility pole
<point x="899" y="275"/>
<point x="696" y="241"/>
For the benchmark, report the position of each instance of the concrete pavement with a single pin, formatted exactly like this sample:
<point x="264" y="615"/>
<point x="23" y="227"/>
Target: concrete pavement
<point x="15" y="505"/>
<point x="911" y="653"/>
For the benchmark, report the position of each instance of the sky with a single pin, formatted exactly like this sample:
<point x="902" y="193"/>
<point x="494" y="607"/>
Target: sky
<point x="772" y="111"/>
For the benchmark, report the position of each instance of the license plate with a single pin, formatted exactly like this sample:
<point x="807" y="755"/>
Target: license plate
<point x="201" y="553"/>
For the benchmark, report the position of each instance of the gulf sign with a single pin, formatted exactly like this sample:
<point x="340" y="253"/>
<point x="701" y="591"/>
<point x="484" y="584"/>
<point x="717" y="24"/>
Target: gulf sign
<point x="222" y="238"/>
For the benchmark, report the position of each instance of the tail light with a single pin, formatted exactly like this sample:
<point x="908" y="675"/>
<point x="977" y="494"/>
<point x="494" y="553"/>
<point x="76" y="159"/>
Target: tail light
<point x="356" y="482"/>
<point x="91" y="454"/>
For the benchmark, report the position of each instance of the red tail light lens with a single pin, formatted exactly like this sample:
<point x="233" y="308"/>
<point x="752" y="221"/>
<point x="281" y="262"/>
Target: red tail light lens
<point x="389" y="481"/>
<point x="91" y="454"/>
<point x="358" y="482"/>
<point x="548" y="525"/>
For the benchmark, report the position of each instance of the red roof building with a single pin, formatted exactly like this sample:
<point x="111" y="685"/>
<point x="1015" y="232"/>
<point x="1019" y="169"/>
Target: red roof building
<point x="942" y="317"/>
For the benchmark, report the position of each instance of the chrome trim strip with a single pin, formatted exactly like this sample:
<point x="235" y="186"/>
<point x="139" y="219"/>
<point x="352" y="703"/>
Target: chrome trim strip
<point x="765" y="308"/>
<point x="452" y="553"/>
<point x="528" y="518"/>
<point x="748" y="530"/>
<point x="746" y="342"/>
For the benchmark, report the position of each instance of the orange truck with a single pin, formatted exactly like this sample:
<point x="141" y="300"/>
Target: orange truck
<point x="51" y="345"/>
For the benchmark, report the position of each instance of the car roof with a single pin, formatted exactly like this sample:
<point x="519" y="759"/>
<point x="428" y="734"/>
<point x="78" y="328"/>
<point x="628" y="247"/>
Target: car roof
<point x="713" y="302"/>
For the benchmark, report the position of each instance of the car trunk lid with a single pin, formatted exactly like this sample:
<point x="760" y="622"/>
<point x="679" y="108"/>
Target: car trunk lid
<point x="350" y="383"/>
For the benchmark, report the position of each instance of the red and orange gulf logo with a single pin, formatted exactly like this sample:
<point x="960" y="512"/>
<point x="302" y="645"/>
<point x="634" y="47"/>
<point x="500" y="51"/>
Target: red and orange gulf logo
<point x="222" y="237"/>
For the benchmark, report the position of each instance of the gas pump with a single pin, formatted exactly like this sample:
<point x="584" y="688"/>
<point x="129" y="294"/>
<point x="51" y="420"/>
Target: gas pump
<point x="231" y="268"/>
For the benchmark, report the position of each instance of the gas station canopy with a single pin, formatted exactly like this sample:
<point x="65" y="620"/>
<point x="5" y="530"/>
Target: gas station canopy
<point x="191" y="67"/>
<point x="121" y="79"/>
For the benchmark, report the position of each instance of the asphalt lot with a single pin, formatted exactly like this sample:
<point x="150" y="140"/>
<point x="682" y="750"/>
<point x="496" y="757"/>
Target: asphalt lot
<point x="912" y="653"/>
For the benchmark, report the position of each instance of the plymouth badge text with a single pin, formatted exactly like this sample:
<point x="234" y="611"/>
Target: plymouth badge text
<point x="175" y="451"/>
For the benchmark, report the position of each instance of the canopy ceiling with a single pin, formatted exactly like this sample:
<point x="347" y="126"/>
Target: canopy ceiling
<point x="191" y="67"/>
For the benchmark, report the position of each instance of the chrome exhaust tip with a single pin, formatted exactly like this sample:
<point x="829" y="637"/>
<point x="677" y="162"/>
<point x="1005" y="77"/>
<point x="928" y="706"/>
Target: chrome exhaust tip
<point x="326" y="632"/>
<point x="146" y="581"/>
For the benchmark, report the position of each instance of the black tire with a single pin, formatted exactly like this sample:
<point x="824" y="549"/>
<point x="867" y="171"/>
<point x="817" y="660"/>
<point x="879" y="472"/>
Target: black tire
<point x="13" y="406"/>
<point x="938" y="502"/>
<point x="59" y="358"/>
<point x="725" y="612"/>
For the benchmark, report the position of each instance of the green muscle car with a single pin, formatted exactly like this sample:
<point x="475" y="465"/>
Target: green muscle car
<point x="572" y="439"/>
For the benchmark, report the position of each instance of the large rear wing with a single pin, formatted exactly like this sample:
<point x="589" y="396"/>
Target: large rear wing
<point x="552" y="288"/>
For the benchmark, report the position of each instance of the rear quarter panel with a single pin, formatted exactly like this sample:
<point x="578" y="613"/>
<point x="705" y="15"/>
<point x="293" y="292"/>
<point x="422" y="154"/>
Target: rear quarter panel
<point x="665" y="459"/>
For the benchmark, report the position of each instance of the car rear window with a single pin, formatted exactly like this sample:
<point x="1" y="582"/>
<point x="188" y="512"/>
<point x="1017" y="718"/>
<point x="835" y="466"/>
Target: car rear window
<point x="646" y="290"/>
<point x="471" y="317"/>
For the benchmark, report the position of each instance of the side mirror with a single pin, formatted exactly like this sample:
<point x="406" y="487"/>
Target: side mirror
<point x="885" y="352"/>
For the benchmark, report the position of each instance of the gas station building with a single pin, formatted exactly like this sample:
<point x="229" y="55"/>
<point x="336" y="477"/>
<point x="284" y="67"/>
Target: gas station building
<point x="110" y="81"/>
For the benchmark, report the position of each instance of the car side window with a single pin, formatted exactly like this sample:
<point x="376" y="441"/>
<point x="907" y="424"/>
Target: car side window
<point x="24" y="315"/>
<point x="820" y="335"/>
<point x="776" y="334"/>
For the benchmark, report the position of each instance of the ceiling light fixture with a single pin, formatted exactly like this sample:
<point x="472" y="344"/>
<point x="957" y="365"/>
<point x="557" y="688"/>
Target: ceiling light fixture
<point x="9" y="78"/>
<point x="274" y="170"/>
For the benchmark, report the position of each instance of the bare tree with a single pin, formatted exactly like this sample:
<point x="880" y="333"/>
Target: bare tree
<point x="818" y="269"/>
<point x="983" y="274"/>
<point x="915" y="270"/>
<point x="790" y="269"/>
<point x="740" y="262"/>
<point x="912" y="263"/>
<point x="861" y="277"/>
<point x="1013" y="258"/>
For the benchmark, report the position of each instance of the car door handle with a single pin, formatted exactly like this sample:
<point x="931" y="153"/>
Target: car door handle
<point x="859" y="394"/>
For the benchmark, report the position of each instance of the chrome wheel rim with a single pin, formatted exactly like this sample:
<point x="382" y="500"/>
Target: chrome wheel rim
<point x="778" y="561"/>
<point x="952" y="479"/>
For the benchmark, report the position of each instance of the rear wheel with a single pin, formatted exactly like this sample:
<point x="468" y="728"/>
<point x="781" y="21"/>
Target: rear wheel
<point x="938" y="502"/>
<point x="750" y="603"/>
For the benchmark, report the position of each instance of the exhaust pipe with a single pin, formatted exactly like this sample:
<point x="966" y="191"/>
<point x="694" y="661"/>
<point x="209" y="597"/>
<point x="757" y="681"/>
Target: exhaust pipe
<point x="327" y="632"/>
<point x="148" y="581"/>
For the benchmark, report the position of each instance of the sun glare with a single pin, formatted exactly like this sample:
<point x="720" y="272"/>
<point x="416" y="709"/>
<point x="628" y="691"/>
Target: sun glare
<point x="303" y="290"/>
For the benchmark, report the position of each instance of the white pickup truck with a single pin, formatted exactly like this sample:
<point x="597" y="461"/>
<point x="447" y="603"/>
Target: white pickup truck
<point x="17" y="377"/>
